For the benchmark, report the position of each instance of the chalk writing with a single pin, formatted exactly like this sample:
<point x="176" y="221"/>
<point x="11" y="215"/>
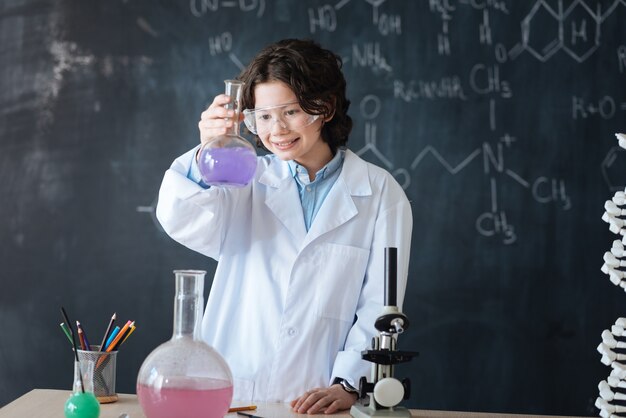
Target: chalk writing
<point x="546" y="28"/>
<point x="323" y="18"/>
<point x="486" y="79"/>
<point x="220" y="43"/>
<point x="200" y="8"/>
<point x="369" y="55"/>
<point x="612" y="171"/>
<point x="606" y="108"/>
<point x="445" y="87"/>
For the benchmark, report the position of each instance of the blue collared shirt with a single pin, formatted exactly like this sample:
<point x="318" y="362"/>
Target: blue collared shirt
<point x="313" y="193"/>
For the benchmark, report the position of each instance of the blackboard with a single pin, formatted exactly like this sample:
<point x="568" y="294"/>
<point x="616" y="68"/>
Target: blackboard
<point x="497" y="117"/>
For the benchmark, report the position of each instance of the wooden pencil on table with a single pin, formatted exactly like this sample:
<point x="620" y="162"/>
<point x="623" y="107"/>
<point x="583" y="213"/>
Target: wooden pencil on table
<point x="242" y="408"/>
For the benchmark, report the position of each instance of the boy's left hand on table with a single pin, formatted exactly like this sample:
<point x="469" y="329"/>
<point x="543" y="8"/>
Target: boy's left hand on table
<point x="324" y="400"/>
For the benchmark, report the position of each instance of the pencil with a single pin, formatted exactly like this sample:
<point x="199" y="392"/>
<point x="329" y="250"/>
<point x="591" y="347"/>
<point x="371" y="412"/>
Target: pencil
<point x="130" y="331"/>
<point x="69" y="324"/>
<point x="242" y="408"/>
<point x="245" y="414"/>
<point x="81" y="338"/>
<point x="115" y="342"/>
<point x="104" y="339"/>
<point x="111" y="337"/>
<point x="85" y="338"/>
<point x="83" y="335"/>
<point x="66" y="331"/>
<point x="119" y="336"/>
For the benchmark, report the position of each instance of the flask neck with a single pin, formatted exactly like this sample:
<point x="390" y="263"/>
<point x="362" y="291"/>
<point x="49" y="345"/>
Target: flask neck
<point x="83" y="377"/>
<point x="188" y="303"/>
<point x="234" y="89"/>
<point x="234" y="129"/>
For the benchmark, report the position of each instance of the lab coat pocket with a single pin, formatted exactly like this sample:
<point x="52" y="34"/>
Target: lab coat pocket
<point x="338" y="281"/>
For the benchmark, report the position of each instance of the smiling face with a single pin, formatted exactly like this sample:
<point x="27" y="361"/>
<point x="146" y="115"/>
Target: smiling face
<point x="304" y="145"/>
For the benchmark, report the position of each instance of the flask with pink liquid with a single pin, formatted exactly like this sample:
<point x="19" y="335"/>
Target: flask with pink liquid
<point x="185" y="376"/>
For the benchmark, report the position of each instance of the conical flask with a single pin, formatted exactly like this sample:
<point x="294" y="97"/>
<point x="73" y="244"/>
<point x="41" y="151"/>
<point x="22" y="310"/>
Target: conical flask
<point x="229" y="159"/>
<point x="185" y="376"/>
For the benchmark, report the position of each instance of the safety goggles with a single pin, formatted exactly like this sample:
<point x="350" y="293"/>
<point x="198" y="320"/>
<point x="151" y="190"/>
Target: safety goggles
<point x="290" y="116"/>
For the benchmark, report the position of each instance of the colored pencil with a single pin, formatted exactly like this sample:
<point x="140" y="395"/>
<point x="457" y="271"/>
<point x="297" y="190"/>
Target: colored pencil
<point x="242" y="408"/>
<point x="119" y="336"/>
<point x="104" y="339"/>
<point x="115" y="342"/>
<point x="245" y="414"/>
<point x="66" y="331"/>
<point x="81" y="338"/>
<point x="130" y="331"/>
<point x="81" y="330"/>
<point x="112" y="337"/>
<point x="69" y="324"/>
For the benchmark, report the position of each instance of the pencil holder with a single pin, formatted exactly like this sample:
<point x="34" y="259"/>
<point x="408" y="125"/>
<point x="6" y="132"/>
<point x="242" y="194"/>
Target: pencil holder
<point x="103" y="374"/>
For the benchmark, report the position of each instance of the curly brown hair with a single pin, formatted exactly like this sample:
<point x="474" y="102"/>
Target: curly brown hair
<point x="314" y="74"/>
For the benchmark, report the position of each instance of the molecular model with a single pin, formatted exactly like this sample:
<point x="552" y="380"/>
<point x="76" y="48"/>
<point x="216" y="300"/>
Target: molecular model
<point x="613" y="345"/>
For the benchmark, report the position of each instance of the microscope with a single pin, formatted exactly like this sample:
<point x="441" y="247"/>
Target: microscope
<point x="386" y="391"/>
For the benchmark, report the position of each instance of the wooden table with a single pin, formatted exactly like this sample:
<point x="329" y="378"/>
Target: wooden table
<point x="48" y="403"/>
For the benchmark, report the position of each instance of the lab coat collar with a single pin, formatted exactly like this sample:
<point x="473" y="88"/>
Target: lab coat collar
<point x="354" y="173"/>
<point x="337" y="209"/>
<point x="282" y="197"/>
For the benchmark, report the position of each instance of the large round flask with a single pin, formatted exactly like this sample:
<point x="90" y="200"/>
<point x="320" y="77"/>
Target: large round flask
<point x="185" y="377"/>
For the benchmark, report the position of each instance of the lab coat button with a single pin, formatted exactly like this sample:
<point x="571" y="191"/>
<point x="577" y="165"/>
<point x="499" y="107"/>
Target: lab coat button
<point x="292" y="332"/>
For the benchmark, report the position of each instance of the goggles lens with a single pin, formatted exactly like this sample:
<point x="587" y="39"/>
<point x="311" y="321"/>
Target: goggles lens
<point x="290" y="116"/>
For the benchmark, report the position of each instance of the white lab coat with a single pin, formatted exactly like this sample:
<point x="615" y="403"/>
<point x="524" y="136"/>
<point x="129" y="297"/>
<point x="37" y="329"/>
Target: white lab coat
<point x="283" y="302"/>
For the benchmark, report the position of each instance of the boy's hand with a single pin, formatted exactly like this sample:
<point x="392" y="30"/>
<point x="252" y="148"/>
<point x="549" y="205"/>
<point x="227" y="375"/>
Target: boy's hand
<point x="323" y="400"/>
<point x="215" y="120"/>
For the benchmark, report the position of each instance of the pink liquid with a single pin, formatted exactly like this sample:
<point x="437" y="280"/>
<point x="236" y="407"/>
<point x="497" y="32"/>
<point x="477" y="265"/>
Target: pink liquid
<point x="227" y="166"/>
<point x="185" y="402"/>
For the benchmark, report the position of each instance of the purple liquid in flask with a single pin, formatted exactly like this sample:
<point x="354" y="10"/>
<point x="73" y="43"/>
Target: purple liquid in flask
<point x="233" y="166"/>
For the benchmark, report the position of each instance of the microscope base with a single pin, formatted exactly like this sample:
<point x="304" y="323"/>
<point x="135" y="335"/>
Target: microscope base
<point x="362" y="411"/>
